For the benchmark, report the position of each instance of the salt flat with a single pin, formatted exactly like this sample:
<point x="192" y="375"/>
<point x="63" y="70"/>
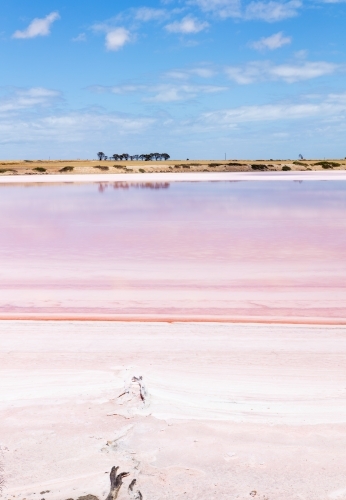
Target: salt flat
<point x="231" y="409"/>
<point x="316" y="175"/>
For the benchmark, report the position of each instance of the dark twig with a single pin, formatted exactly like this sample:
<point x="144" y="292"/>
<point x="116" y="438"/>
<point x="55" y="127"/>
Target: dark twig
<point x="134" y="495"/>
<point x="116" y="483"/>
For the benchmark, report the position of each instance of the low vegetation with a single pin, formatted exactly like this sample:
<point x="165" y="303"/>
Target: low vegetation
<point x="300" y="163"/>
<point x="68" y="168"/>
<point x="259" y="166"/>
<point x="286" y="167"/>
<point x="40" y="169"/>
<point x="327" y="164"/>
<point x="101" y="167"/>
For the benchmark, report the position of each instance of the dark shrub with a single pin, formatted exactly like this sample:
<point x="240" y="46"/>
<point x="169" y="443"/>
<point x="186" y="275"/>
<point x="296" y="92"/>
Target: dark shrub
<point x="286" y="167"/>
<point x="327" y="164"/>
<point x="66" y="169"/>
<point x="259" y="167"/>
<point x="40" y="169"/>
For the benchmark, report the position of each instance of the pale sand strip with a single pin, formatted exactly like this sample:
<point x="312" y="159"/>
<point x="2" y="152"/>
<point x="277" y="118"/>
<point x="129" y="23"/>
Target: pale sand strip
<point x="231" y="409"/>
<point x="176" y="177"/>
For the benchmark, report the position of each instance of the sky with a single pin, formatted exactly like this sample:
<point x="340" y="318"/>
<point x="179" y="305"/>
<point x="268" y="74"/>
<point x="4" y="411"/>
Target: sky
<point x="196" y="79"/>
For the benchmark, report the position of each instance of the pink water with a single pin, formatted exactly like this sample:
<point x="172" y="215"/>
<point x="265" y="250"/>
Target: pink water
<point x="227" y="251"/>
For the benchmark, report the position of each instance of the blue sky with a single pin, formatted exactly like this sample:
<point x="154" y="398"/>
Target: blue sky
<point x="193" y="78"/>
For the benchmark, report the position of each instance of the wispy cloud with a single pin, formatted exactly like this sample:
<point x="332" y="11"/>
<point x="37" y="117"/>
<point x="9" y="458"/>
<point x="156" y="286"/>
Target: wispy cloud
<point x="80" y="38"/>
<point x="26" y="99"/>
<point x="145" y="14"/>
<point x="184" y="74"/>
<point x="162" y="92"/>
<point x="220" y="8"/>
<point x="271" y="42"/>
<point x="187" y="25"/>
<point x="333" y="105"/>
<point x="269" y="11"/>
<point x="272" y="11"/>
<point x="73" y="127"/>
<point x="289" y="73"/>
<point x="38" y="27"/>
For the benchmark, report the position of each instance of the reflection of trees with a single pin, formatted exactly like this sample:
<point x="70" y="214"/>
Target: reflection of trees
<point x="102" y="186"/>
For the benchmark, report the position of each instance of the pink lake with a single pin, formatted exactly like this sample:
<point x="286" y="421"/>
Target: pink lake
<point x="180" y="251"/>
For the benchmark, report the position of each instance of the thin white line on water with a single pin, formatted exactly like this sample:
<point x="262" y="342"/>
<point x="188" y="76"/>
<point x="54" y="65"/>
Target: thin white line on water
<point x="168" y="177"/>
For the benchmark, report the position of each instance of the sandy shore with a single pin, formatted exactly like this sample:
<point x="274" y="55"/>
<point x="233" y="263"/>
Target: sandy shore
<point x="41" y="168"/>
<point x="231" y="409"/>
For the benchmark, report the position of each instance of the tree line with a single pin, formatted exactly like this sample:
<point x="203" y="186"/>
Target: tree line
<point x="126" y="157"/>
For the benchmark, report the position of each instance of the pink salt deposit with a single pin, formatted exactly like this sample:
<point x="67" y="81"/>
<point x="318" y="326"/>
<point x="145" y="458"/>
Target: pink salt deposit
<point x="229" y="409"/>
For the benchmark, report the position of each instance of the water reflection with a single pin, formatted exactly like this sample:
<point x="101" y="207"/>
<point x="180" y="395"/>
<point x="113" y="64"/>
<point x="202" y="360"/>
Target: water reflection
<point x="136" y="185"/>
<point x="271" y="250"/>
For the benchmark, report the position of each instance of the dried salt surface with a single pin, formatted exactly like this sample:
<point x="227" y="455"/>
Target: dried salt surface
<point x="178" y="177"/>
<point x="226" y="410"/>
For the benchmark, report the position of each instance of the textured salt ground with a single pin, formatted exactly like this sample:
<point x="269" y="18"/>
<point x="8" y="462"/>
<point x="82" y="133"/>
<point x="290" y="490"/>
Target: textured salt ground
<point x="232" y="409"/>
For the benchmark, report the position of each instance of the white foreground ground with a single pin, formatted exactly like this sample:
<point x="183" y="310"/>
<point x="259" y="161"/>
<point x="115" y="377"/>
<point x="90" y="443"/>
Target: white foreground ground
<point x="233" y="411"/>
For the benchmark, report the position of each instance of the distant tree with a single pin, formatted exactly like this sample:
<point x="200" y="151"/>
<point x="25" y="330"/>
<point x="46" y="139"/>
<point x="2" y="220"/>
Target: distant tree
<point x="141" y="157"/>
<point x="101" y="155"/>
<point x="115" y="157"/>
<point x="165" y="156"/>
<point x="125" y="156"/>
<point x="156" y="156"/>
<point x="105" y="157"/>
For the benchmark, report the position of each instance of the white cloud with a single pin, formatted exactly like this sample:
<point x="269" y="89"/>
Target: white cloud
<point x="221" y="8"/>
<point x="272" y="42"/>
<point x="26" y="99"/>
<point x="187" y="25"/>
<point x="333" y="105"/>
<point x="290" y="73"/>
<point x="117" y="38"/>
<point x="163" y="92"/>
<point x="80" y="38"/>
<point x="272" y="11"/>
<point x="38" y="27"/>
